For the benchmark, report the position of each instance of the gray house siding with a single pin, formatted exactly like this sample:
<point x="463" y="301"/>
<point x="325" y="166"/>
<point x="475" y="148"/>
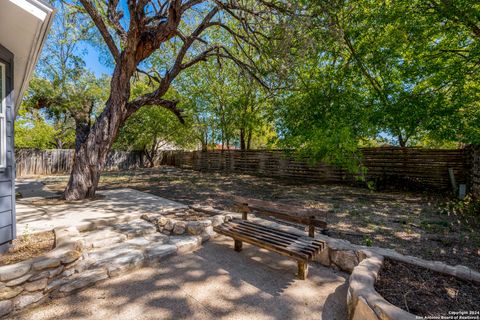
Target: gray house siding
<point x="7" y="175"/>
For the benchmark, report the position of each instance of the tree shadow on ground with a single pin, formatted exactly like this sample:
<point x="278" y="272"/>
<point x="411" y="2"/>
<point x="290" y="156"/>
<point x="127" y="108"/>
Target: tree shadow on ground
<point x="214" y="282"/>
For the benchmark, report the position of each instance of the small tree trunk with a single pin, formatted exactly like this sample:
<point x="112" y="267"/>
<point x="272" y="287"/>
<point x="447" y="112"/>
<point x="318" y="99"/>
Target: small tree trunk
<point x="242" y="139"/>
<point x="149" y="157"/>
<point x="401" y="141"/>
<point x="249" y="139"/>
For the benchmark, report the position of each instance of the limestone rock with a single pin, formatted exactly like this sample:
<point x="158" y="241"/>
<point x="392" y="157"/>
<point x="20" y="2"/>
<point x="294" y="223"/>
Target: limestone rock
<point x="23" y="301"/>
<point x="102" y="238"/>
<point x="186" y="243"/>
<point x="41" y="275"/>
<point x="55" y="284"/>
<point x="323" y="257"/>
<point x="46" y="264"/>
<point x="208" y="234"/>
<point x="195" y="228"/>
<point x="10" y="292"/>
<point x="346" y="260"/>
<point x="146" y="217"/>
<point x="65" y="236"/>
<point x="55" y="272"/>
<point x="68" y="272"/>
<point x="35" y="285"/>
<point x="83" y="280"/>
<point x="14" y="271"/>
<point x="463" y="272"/>
<point x="162" y="221"/>
<point x="70" y="256"/>
<point x="84" y="264"/>
<point x="179" y="227"/>
<point x="135" y="228"/>
<point x="363" y="311"/>
<point x="16" y="282"/>
<point x="205" y="223"/>
<point x="120" y="268"/>
<point x="169" y="225"/>
<point x="157" y="238"/>
<point x="139" y="242"/>
<point x="217" y="220"/>
<point x="6" y="307"/>
<point x="117" y="258"/>
<point x="158" y="252"/>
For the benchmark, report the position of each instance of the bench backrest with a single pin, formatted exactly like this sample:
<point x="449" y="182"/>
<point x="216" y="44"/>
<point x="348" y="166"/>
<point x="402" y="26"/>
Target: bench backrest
<point x="280" y="211"/>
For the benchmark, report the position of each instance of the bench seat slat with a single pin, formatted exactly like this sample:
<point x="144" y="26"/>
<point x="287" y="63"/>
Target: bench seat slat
<point x="310" y="247"/>
<point x="261" y="243"/>
<point x="299" y="241"/>
<point x="284" y="233"/>
<point x="266" y="237"/>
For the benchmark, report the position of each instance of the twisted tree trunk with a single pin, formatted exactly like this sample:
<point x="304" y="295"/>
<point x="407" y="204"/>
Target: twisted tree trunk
<point x="91" y="156"/>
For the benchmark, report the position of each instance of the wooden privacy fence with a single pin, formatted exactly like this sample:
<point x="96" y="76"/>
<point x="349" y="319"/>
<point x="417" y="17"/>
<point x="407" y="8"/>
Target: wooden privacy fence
<point x="387" y="165"/>
<point x="409" y="166"/>
<point x="59" y="161"/>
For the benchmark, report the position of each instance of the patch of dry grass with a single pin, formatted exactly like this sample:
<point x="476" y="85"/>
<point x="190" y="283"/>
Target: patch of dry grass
<point x="28" y="246"/>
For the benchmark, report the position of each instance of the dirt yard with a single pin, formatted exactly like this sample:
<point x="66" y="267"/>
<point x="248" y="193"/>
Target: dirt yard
<point x="411" y="223"/>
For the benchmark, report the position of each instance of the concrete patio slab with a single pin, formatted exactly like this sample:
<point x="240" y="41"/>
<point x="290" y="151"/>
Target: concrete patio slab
<point x="214" y="282"/>
<point x="119" y="205"/>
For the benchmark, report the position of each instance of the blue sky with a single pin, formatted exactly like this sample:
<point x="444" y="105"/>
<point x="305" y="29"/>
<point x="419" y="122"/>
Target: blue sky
<point x="92" y="60"/>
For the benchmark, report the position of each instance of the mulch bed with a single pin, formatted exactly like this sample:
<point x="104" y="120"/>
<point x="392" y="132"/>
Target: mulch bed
<point x="424" y="292"/>
<point x="187" y="215"/>
<point x="28" y="246"/>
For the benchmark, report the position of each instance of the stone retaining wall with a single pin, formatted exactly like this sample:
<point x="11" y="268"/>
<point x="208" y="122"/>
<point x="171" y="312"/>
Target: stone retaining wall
<point x="176" y="226"/>
<point x="28" y="282"/>
<point x="71" y="267"/>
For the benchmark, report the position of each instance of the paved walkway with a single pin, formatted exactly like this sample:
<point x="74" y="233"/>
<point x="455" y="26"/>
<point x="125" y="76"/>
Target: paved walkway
<point x="120" y="205"/>
<point x="214" y="282"/>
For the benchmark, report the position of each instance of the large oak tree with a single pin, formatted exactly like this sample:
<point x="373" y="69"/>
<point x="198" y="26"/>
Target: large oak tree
<point x="179" y="31"/>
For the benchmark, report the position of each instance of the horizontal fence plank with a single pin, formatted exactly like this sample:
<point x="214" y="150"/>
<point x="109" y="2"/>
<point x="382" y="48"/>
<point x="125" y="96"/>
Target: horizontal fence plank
<point x="415" y="166"/>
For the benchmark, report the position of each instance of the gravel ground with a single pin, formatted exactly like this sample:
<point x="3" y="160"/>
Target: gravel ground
<point x="214" y="282"/>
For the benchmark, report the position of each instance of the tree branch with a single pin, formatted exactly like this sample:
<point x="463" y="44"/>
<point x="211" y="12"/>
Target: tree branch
<point x="102" y="27"/>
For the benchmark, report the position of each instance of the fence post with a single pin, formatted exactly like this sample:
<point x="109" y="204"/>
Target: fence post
<point x="474" y="174"/>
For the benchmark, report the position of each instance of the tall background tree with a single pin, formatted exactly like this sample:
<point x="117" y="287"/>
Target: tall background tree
<point x="363" y="72"/>
<point x="64" y="95"/>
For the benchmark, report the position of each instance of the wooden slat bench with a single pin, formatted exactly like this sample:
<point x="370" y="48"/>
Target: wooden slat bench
<point x="301" y="248"/>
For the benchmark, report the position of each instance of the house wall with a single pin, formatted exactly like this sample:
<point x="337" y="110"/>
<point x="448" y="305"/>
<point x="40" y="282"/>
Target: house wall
<point x="7" y="175"/>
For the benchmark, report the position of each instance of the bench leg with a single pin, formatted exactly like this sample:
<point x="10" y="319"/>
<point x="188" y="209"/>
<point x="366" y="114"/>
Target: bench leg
<point x="302" y="270"/>
<point x="238" y="245"/>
